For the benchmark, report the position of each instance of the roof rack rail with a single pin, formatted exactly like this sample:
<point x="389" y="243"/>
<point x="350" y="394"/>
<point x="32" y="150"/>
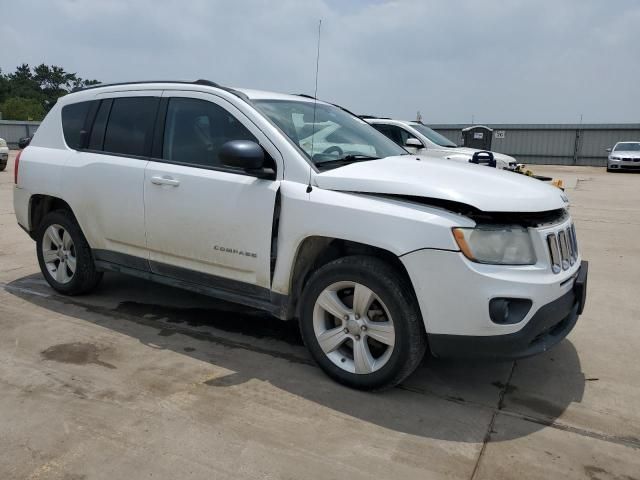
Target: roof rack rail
<point x="200" y="81"/>
<point x="208" y="83"/>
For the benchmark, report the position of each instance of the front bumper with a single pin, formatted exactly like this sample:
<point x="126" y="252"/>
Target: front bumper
<point x="548" y="326"/>
<point x="626" y="164"/>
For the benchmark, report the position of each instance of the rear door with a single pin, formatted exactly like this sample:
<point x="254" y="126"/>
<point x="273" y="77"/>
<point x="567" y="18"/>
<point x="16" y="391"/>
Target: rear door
<point x="207" y="223"/>
<point x="106" y="175"/>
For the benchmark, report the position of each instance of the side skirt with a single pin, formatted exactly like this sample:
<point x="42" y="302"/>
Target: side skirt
<point x="210" y="285"/>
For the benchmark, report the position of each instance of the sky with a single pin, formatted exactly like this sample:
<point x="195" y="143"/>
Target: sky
<point x="493" y="61"/>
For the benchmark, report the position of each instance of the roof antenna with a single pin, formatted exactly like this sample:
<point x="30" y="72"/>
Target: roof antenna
<point x="315" y="101"/>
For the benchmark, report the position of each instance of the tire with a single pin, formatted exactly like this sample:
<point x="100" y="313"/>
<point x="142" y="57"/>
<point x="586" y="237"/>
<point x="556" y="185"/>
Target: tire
<point x="3" y="165"/>
<point x="386" y="365"/>
<point x="83" y="277"/>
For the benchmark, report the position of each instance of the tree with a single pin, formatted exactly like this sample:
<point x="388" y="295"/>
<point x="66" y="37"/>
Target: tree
<point x="43" y="85"/>
<point x="20" y="108"/>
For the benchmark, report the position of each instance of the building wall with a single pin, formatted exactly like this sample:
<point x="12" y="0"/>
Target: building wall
<point x="12" y="131"/>
<point x="553" y="144"/>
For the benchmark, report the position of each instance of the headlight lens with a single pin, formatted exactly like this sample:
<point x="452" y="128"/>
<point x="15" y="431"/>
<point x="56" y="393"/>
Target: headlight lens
<point x="613" y="157"/>
<point x="497" y="245"/>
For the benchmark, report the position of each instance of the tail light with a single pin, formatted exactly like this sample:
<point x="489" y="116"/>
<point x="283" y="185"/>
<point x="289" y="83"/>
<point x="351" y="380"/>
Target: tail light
<point x="16" y="165"/>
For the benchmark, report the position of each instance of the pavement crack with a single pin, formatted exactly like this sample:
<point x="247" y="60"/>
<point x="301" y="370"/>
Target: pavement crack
<point x="627" y="441"/>
<point x="487" y="436"/>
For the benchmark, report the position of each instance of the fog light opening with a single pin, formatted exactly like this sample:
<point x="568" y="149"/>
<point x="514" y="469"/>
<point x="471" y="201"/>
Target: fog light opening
<point x="507" y="311"/>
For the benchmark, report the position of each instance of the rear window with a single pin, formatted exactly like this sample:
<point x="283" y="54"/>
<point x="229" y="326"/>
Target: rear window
<point x="73" y="118"/>
<point x="130" y="125"/>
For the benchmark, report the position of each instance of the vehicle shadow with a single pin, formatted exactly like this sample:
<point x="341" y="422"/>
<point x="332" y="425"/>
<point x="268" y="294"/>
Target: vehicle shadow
<point x="447" y="400"/>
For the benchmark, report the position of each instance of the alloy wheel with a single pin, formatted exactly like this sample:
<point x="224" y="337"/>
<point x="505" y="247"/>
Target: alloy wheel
<point x="59" y="254"/>
<point x="353" y="327"/>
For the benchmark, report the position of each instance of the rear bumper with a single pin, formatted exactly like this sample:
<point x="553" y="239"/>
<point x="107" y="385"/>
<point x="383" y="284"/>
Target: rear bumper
<point x="550" y="325"/>
<point x="21" y="199"/>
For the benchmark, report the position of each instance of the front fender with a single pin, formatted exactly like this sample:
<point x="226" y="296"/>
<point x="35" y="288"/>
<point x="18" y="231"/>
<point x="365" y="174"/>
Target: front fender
<point x="394" y="225"/>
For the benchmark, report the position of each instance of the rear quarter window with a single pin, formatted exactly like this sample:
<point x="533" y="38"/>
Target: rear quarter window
<point x="73" y="120"/>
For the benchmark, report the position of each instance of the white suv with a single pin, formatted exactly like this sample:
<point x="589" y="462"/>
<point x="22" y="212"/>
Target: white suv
<point x="417" y="138"/>
<point x="378" y="253"/>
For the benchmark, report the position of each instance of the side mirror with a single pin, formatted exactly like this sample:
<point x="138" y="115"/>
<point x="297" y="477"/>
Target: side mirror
<point x="243" y="154"/>
<point x="413" y="143"/>
<point x="608" y="150"/>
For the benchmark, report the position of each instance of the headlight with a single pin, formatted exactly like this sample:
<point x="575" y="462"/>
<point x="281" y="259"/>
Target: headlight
<point x="616" y="158"/>
<point x="498" y="245"/>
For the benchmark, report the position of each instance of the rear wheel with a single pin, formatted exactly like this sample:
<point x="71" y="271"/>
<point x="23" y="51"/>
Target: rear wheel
<point x="64" y="255"/>
<point x="361" y="323"/>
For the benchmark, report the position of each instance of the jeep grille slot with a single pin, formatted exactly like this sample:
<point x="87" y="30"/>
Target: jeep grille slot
<point x="552" y="241"/>
<point x="563" y="248"/>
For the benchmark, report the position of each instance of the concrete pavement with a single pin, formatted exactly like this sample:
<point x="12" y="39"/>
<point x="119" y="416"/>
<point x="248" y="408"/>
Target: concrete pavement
<point x="139" y="380"/>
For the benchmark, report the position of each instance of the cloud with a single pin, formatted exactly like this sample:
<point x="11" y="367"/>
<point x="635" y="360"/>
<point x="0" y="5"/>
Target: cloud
<point x="517" y="61"/>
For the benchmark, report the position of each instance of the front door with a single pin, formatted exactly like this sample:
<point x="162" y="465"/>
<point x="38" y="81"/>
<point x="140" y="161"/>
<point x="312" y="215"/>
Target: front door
<point x="207" y="223"/>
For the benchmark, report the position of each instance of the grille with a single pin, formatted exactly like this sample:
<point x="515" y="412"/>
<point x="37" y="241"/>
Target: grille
<point x="563" y="248"/>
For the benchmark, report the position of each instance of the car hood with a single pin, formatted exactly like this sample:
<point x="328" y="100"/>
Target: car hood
<point x="623" y="154"/>
<point x="486" y="189"/>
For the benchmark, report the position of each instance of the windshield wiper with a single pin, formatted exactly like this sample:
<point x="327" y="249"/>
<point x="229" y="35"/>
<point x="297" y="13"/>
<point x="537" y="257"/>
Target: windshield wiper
<point x="347" y="159"/>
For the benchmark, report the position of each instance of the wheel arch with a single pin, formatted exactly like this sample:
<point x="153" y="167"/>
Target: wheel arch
<point x="40" y="206"/>
<point x="316" y="251"/>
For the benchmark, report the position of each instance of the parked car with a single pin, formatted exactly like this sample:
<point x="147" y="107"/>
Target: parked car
<point x="24" y="142"/>
<point x="4" y="154"/>
<point x="624" y="156"/>
<point x="376" y="252"/>
<point x="420" y="139"/>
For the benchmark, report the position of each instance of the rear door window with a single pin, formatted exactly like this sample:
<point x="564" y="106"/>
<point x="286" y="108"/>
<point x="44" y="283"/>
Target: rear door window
<point x="96" y="139"/>
<point x="130" y="126"/>
<point x="73" y="120"/>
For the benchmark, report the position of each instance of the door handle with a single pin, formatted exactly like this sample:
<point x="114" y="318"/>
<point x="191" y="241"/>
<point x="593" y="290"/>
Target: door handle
<point x="165" y="181"/>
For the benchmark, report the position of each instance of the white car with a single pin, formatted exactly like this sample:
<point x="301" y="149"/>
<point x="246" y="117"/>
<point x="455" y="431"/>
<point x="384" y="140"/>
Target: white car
<point x="4" y="154"/>
<point x="624" y="156"/>
<point x="417" y="138"/>
<point x="379" y="254"/>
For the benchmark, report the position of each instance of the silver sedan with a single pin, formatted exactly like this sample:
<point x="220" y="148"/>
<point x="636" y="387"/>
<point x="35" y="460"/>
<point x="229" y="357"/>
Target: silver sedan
<point x="624" y="156"/>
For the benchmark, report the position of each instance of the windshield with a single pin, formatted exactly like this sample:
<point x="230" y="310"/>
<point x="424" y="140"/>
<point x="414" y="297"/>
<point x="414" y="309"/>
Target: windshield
<point x="336" y="135"/>
<point x="628" y="147"/>
<point x="434" y="136"/>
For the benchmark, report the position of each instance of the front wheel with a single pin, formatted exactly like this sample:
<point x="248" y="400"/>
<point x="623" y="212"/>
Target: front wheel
<point x="361" y="323"/>
<point x="64" y="255"/>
